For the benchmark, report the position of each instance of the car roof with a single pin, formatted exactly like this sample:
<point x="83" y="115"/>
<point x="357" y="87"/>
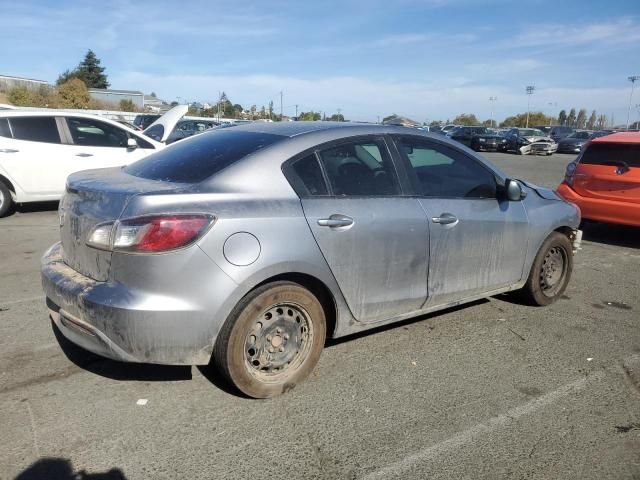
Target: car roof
<point x="296" y="129"/>
<point x="620" y="137"/>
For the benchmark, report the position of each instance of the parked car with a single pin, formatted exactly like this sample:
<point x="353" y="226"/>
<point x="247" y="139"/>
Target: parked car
<point x="525" y="141"/>
<point x="187" y="128"/>
<point x="574" y="142"/>
<point x="447" y="129"/>
<point x="546" y="129"/>
<point x="143" y="121"/>
<point x="39" y="149"/>
<point x="604" y="181"/>
<point x="558" y="132"/>
<point x="248" y="246"/>
<point x="478" y="138"/>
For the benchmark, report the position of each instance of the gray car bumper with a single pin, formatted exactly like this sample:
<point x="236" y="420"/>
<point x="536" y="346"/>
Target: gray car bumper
<point x="116" y="322"/>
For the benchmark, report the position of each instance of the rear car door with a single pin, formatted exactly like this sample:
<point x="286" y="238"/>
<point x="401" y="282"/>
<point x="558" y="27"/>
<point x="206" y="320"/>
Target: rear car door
<point x="35" y="157"/>
<point x="609" y="171"/>
<point x="374" y="239"/>
<point x="477" y="240"/>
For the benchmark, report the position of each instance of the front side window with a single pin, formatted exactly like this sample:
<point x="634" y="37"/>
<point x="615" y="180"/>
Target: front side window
<point x="361" y="168"/>
<point x="35" y="129"/>
<point x="446" y="173"/>
<point x="93" y="133"/>
<point x="5" y="131"/>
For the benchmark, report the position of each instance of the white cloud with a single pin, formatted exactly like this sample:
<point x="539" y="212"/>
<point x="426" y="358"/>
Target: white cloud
<point x="365" y="99"/>
<point x="621" y="31"/>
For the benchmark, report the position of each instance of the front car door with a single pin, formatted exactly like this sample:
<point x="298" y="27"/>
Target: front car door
<point x="374" y="239"/>
<point x="98" y="144"/>
<point x="477" y="239"/>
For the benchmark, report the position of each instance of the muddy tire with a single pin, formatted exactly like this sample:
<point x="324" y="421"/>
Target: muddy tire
<point x="6" y="202"/>
<point x="272" y="340"/>
<point x="550" y="272"/>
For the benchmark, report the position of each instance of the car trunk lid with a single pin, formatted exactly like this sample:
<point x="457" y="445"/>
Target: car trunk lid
<point x="94" y="197"/>
<point x="609" y="171"/>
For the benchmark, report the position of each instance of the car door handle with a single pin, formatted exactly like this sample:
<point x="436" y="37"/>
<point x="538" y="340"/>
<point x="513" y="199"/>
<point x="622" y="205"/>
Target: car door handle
<point x="335" y="221"/>
<point x="8" y="150"/>
<point x="84" y="155"/>
<point x="445" y="219"/>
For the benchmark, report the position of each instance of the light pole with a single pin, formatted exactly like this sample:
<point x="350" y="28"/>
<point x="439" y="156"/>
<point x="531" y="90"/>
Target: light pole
<point x="632" y="79"/>
<point x="552" y="105"/>
<point x="530" y="90"/>
<point x="491" y="100"/>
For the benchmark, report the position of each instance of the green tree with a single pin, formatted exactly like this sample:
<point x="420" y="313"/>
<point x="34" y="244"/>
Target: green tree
<point x="174" y="104"/>
<point x="466" y="119"/>
<point x="602" y="121"/>
<point x="591" y="123"/>
<point x="19" y="96"/>
<point x="571" y="119"/>
<point x="74" y="94"/>
<point x="336" y="117"/>
<point x="489" y="123"/>
<point x="89" y="71"/>
<point x="562" y="117"/>
<point x="520" y="120"/>
<point x="270" y="108"/>
<point x="581" y="120"/>
<point x="127" y="106"/>
<point x="309" y="116"/>
<point x="263" y="112"/>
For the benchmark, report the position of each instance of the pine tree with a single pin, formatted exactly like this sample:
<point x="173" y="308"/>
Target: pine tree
<point x="562" y="117"/>
<point x="591" y="123"/>
<point x="89" y="71"/>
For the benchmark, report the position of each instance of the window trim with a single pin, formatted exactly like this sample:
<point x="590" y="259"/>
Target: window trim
<point x="381" y="139"/>
<point x="55" y="119"/>
<point x="65" y="123"/>
<point x="413" y="181"/>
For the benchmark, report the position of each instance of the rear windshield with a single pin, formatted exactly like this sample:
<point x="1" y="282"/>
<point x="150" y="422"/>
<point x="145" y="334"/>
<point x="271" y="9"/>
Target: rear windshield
<point x="201" y="156"/>
<point x="612" y="154"/>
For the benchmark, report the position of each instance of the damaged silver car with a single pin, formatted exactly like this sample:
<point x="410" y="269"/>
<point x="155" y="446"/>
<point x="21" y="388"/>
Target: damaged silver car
<point x="529" y="141"/>
<point x="249" y="247"/>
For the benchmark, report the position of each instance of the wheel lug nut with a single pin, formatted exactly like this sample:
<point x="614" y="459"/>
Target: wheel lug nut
<point x="271" y="350"/>
<point x="286" y="336"/>
<point x="281" y="349"/>
<point x="277" y="330"/>
<point x="268" y="338"/>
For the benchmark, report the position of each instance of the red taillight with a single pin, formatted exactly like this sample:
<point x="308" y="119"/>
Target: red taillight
<point x="160" y="233"/>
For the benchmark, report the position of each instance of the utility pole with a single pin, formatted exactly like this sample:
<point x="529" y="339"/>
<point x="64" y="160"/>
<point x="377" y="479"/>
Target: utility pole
<point x="280" y="106"/>
<point x="219" y="100"/>
<point x="530" y="90"/>
<point x="551" y="105"/>
<point x="491" y="100"/>
<point x="296" y="111"/>
<point x="632" y="79"/>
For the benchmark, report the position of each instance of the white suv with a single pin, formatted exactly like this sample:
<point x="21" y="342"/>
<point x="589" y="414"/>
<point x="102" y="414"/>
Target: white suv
<point x="40" y="149"/>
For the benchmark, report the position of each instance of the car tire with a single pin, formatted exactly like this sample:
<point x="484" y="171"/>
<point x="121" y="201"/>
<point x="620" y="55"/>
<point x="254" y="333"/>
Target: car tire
<point x="272" y="340"/>
<point x="6" y="201"/>
<point x="550" y="272"/>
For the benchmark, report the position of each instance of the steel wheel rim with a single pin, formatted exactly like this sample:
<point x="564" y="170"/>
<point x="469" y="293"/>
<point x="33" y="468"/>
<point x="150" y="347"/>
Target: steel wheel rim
<point x="553" y="271"/>
<point x="278" y="342"/>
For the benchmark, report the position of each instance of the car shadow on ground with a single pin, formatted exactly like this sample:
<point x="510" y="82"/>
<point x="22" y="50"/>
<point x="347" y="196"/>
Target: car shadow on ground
<point x="115" y="370"/>
<point x="62" y="469"/>
<point x="36" y="207"/>
<point x="610" y="234"/>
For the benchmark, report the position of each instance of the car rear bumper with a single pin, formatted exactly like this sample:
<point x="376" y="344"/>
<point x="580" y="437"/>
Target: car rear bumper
<point x="128" y="324"/>
<point x="609" y="211"/>
<point x="568" y="149"/>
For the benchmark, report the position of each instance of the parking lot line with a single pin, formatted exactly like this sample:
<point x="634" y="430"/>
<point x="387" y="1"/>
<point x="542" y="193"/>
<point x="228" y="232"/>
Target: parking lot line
<point x="469" y="435"/>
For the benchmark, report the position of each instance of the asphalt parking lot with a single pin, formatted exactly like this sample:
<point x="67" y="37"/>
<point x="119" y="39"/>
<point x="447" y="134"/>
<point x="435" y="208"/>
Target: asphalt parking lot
<point x="491" y="390"/>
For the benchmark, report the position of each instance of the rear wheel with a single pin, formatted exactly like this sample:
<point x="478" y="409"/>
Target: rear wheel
<point x="272" y="340"/>
<point x="550" y="272"/>
<point x="6" y="202"/>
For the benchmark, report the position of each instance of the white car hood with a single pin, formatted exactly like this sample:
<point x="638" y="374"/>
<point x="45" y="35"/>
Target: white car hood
<point x="168" y="121"/>
<point x="536" y="139"/>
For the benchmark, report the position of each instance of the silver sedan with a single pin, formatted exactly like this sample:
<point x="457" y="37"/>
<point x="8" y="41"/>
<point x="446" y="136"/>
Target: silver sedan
<point x="248" y="247"/>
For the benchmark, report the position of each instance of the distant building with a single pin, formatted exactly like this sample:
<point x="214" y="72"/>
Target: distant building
<point x="7" y="83"/>
<point x="114" y="97"/>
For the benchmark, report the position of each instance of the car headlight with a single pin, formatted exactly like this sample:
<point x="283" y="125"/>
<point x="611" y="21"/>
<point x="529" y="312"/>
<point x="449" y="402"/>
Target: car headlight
<point x="481" y="140"/>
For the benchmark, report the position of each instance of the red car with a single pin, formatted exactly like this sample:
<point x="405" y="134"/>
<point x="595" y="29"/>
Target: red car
<point x="604" y="181"/>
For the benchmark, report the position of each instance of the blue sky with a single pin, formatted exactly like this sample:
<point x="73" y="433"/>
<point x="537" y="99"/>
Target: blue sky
<point x="426" y="59"/>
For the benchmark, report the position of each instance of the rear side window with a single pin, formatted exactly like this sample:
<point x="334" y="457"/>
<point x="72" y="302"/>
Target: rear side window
<point x="35" y="129"/>
<point x="196" y="159"/>
<point x="360" y="169"/>
<point x="616" y="154"/>
<point x="4" y="128"/>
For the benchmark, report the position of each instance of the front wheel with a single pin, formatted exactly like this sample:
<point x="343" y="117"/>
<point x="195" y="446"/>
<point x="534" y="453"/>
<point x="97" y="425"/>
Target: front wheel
<point x="272" y="340"/>
<point x="550" y="272"/>
<point x="6" y="202"/>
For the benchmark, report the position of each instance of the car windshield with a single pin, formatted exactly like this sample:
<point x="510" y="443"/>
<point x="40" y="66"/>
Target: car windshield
<point x="581" y="135"/>
<point x="201" y="156"/>
<point x="530" y="132"/>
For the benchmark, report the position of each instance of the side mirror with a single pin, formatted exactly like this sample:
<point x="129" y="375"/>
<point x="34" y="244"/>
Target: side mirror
<point x="132" y="144"/>
<point x="513" y="190"/>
